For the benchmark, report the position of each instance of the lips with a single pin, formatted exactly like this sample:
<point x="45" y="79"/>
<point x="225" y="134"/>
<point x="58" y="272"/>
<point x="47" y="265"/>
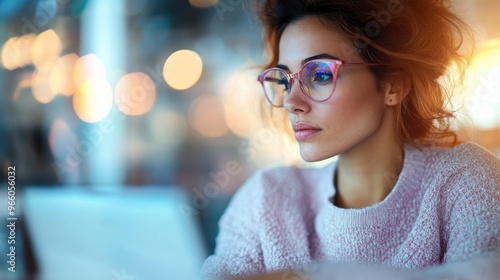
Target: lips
<point x="304" y="131"/>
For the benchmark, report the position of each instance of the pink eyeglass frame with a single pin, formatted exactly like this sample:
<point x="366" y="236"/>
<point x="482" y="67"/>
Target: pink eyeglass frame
<point x="292" y="76"/>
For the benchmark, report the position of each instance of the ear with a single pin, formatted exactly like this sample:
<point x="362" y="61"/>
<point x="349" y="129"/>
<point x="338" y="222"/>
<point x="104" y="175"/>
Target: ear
<point x="396" y="89"/>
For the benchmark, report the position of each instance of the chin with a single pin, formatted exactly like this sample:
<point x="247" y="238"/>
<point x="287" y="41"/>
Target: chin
<point x="310" y="153"/>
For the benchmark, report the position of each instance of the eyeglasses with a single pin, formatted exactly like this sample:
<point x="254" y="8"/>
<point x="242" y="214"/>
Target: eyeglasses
<point x="317" y="80"/>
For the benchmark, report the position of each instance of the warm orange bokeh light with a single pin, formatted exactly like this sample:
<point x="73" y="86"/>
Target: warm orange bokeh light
<point x="87" y="67"/>
<point x="17" y="52"/>
<point x="93" y="100"/>
<point x="182" y="69"/>
<point x="24" y="49"/>
<point x="242" y="95"/>
<point x="61" y="78"/>
<point x="206" y="115"/>
<point x="481" y="98"/>
<point x="135" y="94"/>
<point x="9" y="61"/>
<point x="40" y="86"/>
<point x="487" y="58"/>
<point x="46" y="49"/>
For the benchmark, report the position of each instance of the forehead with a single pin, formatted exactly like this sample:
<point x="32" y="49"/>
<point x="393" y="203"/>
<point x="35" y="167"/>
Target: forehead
<point x="310" y="36"/>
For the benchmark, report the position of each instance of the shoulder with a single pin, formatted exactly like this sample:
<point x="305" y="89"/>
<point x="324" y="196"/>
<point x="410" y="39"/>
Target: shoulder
<point x="467" y="160"/>
<point x="467" y="181"/>
<point x="464" y="179"/>
<point x="467" y="178"/>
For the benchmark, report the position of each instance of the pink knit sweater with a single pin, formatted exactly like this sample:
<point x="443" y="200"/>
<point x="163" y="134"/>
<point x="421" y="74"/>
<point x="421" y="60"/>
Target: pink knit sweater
<point x="444" y="208"/>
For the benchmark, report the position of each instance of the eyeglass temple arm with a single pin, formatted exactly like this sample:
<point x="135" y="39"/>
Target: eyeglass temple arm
<point x="360" y="63"/>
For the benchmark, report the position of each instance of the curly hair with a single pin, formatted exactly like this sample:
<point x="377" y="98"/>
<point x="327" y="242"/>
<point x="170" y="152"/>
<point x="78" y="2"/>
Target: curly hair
<point x="416" y="40"/>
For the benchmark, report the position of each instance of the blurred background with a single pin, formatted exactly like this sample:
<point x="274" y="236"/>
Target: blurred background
<point x="131" y="123"/>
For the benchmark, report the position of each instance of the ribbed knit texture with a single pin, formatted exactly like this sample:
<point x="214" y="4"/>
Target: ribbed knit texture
<point x="444" y="208"/>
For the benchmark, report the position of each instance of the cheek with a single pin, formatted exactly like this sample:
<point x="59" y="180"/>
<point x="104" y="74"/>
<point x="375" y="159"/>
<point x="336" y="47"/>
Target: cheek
<point x="357" y="101"/>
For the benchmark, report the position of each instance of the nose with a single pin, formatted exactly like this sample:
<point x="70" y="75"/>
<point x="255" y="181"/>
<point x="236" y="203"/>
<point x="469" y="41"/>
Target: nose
<point x="296" y="102"/>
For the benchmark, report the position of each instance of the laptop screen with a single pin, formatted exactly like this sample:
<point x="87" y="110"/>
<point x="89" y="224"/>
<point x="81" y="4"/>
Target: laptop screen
<point x="130" y="233"/>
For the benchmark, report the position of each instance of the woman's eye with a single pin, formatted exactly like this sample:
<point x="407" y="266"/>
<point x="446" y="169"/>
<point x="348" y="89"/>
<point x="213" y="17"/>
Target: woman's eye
<point x="322" y="77"/>
<point x="285" y="83"/>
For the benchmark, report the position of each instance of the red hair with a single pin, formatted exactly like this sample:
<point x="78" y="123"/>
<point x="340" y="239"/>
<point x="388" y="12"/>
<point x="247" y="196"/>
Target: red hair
<point x="415" y="40"/>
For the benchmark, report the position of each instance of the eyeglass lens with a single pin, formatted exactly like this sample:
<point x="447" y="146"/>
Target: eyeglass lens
<point x="317" y="80"/>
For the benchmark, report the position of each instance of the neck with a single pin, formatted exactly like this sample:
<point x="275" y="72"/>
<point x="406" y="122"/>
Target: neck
<point x="367" y="173"/>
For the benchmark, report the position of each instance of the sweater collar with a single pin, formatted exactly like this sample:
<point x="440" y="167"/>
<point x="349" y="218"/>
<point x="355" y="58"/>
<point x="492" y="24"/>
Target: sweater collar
<point x="407" y="187"/>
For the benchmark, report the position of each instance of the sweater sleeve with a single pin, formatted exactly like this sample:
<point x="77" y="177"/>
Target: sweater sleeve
<point x="473" y="227"/>
<point x="238" y="248"/>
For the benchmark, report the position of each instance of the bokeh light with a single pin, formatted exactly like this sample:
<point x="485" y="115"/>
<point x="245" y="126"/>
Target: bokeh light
<point x="488" y="56"/>
<point x="8" y="54"/>
<point x="206" y="116"/>
<point x="46" y="49"/>
<point x="93" y="100"/>
<point x="87" y="67"/>
<point x="24" y="49"/>
<point x="241" y="103"/>
<point x="135" y="94"/>
<point x="203" y="3"/>
<point x="40" y="86"/>
<point x="182" y="69"/>
<point x="482" y="99"/>
<point x="272" y="147"/>
<point x="61" y="78"/>
<point x="17" y="52"/>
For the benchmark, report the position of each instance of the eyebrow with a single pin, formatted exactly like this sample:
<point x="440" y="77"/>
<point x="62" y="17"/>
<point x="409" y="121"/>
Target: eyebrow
<point x="319" y="56"/>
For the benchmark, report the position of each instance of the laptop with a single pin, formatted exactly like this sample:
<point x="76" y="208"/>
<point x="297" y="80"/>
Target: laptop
<point x="121" y="233"/>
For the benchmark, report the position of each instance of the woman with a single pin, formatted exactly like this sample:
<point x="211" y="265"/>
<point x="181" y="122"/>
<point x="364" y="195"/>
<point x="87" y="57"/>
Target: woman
<point x="359" y="79"/>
